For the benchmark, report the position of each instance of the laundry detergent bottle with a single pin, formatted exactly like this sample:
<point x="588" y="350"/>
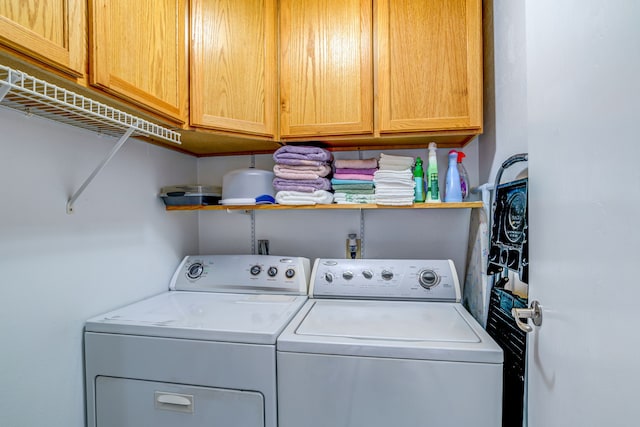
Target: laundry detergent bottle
<point x="452" y="191"/>
<point x="433" y="191"/>
<point x="464" y="176"/>
<point x="418" y="177"/>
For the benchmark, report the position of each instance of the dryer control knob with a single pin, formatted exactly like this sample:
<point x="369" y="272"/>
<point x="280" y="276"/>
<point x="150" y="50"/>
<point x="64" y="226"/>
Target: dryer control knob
<point x="347" y="275"/>
<point x="195" y="270"/>
<point x="272" y="271"/>
<point x="328" y="277"/>
<point x="290" y="273"/>
<point x="255" y="270"/>
<point x="387" y="275"/>
<point x="428" y="279"/>
<point x="367" y="274"/>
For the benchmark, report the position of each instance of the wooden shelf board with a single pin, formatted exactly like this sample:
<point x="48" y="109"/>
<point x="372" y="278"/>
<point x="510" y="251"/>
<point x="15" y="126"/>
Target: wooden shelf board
<point x="463" y="205"/>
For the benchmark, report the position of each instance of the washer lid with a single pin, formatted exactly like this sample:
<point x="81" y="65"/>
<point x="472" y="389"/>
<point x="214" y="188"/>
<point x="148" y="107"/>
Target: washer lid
<point x="239" y="318"/>
<point x="398" y="329"/>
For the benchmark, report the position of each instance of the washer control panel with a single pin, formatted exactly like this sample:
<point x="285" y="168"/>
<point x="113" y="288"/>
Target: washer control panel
<point x="430" y="280"/>
<point x="242" y="274"/>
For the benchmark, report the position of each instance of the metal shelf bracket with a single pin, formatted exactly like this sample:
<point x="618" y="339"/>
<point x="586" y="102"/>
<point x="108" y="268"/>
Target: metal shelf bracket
<point x="124" y="138"/>
<point x="22" y="92"/>
<point x="11" y="79"/>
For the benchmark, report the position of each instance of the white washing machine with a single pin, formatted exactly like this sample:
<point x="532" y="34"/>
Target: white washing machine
<point x="386" y="343"/>
<point x="201" y="354"/>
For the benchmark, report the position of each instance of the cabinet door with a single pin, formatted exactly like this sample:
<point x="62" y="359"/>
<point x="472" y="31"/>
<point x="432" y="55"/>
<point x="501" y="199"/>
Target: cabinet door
<point x="430" y="65"/>
<point x="138" y="52"/>
<point x="326" y="75"/>
<point x="234" y="65"/>
<point x="50" y="31"/>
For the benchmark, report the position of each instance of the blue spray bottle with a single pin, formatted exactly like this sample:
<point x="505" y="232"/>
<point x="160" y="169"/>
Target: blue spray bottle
<point x="453" y="191"/>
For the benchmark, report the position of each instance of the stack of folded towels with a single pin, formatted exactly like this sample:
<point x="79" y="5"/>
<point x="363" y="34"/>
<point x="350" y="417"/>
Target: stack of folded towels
<point x="300" y="175"/>
<point x="394" y="184"/>
<point x="352" y="181"/>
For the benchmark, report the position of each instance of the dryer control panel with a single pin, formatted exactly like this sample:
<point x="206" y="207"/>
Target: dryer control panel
<point x="242" y="274"/>
<point x="427" y="280"/>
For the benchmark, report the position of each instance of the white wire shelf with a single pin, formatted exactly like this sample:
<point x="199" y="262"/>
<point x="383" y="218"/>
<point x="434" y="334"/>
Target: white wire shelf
<point x="23" y="92"/>
<point x="31" y="95"/>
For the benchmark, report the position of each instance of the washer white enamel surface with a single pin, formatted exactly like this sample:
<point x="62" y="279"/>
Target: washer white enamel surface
<point x="241" y="318"/>
<point x="403" y="329"/>
<point x="386" y="361"/>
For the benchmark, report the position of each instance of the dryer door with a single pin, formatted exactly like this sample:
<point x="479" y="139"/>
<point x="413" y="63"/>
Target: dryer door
<point x="125" y="402"/>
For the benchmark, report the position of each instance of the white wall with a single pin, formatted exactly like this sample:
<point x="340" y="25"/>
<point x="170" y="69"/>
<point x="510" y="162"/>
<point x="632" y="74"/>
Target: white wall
<point x="57" y="270"/>
<point x="388" y="233"/>
<point x="505" y="88"/>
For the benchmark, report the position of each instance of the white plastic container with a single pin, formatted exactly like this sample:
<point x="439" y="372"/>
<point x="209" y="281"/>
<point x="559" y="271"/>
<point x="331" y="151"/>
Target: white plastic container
<point x="247" y="187"/>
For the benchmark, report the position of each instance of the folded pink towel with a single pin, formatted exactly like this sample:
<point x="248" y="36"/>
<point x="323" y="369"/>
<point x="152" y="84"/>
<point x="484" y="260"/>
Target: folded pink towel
<point x="356" y="164"/>
<point x="357" y="176"/>
<point x="301" y="172"/>
<point x="370" y="171"/>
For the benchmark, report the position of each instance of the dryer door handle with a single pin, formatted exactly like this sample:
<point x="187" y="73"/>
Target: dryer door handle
<point x="174" y="402"/>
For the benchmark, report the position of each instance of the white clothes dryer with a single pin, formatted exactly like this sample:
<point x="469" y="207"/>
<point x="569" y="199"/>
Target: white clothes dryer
<point x="387" y="343"/>
<point x="201" y="354"/>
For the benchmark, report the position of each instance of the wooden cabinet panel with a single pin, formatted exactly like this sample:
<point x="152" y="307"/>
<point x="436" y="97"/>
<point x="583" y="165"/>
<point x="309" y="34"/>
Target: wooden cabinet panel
<point x="234" y="65"/>
<point x="50" y="31"/>
<point x="138" y="52"/>
<point x="326" y="74"/>
<point x="430" y="65"/>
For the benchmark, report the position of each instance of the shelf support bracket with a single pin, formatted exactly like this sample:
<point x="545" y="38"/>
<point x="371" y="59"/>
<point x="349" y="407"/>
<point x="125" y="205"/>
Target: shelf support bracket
<point x="253" y="232"/>
<point x="12" y="78"/>
<point x="101" y="166"/>
<point x="362" y="233"/>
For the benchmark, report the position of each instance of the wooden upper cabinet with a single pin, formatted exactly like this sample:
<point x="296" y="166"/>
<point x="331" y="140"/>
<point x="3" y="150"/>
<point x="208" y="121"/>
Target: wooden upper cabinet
<point x="234" y="65"/>
<point x="326" y="73"/>
<point x="138" y="52"/>
<point x="430" y="65"/>
<point x="51" y="31"/>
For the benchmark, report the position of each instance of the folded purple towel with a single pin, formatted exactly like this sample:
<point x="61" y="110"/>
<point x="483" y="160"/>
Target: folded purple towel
<point x="370" y="171"/>
<point x="301" y="152"/>
<point x="304" y="185"/>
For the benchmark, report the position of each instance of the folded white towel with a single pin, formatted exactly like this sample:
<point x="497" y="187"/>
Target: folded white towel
<point x="390" y="162"/>
<point x="400" y="179"/>
<point x="395" y="202"/>
<point x="396" y="183"/>
<point x="399" y="173"/>
<point x="318" y="197"/>
<point x="394" y="192"/>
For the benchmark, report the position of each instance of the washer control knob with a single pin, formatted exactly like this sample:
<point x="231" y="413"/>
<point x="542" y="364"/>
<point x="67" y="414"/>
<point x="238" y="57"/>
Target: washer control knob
<point x="328" y="277"/>
<point x="387" y="275"/>
<point x="428" y="279"/>
<point x="255" y="270"/>
<point x="195" y="270"/>
<point x="290" y="273"/>
<point x="272" y="271"/>
<point x="367" y="274"/>
<point x="347" y="275"/>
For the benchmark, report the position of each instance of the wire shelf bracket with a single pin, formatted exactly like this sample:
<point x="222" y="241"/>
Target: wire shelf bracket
<point x="31" y="95"/>
<point x="99" y="168"/>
